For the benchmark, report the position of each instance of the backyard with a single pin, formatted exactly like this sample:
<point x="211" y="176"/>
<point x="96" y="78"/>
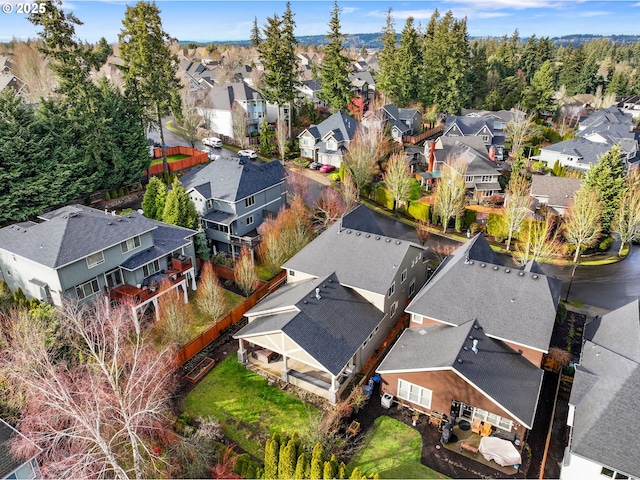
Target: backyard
<point x="170" y="158"/>
<point x="248" y="408"/>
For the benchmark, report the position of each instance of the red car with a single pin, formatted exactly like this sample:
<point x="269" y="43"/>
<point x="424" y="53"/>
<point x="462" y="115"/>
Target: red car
<point x="326" y="168"/>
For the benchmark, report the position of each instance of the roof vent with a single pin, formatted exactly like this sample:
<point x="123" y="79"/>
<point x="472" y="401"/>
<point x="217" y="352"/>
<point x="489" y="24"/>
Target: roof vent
<point x="324" y="286"/>
<point x="474" y="348"/>
<point x="377" y="238"/>
<point x="459" y="361"/>
<point x="535" y="276"/>
<point x="318" y="297"/>
<point x="483" y="265"/>
<point x="476" y="327"/>
<point x="304" y="301"/>
<point x="348" y="231"/>
<point x="357" y="234"/>
<point x="465" y="348"/>
<point x="506" y="270"/>
<point x="367" y="235"/>
<point x="495" y="268"/>
<point x="109" y="223"/>
<point x="521" y="273"/>
<point x="330" y="280"/>
<point x="388" y="240"/>
<point x="398" y="242"/>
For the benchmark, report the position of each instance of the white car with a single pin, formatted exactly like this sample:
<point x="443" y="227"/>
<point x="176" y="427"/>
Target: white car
<point x="248" y="153"/>
<point x="212" y="142"/>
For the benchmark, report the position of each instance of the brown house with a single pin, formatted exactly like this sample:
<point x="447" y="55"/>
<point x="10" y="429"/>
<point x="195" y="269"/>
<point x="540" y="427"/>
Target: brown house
<point x="477" y="336"/>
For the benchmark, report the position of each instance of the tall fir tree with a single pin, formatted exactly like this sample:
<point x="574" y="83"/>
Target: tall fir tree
<point x="387" y="78"/>
<point x="409" y="64"/>
<point x="334" y="70"/>
<point x="255" y="37"/>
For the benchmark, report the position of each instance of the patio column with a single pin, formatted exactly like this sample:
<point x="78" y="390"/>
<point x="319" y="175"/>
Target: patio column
<point x="242" y="352"/>
<point x="154" y="301"/>
<point x="333" y="397"/>
<point x="192" y="274"/>
<point x="284" y="374"/>
<point x="184" y="292"/>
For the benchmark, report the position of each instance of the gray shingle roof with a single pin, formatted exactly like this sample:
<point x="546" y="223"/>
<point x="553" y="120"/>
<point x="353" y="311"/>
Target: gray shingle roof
<point x="618" y="331"/>
<point x="166" y="239"/>
<point x="605" y="390"/>
<point x="342" y="123"/>
<point x="506" y="377"/>
<point x="331" y="329"/>
<point x="222" y="97"/>
<point x="580" y="147"/>
<point x="359" y="259"/>
<point x="469" y="125"/>
<point x="558" y="190"/>
<point x="232" y="179"/>
<point x="363" y="220"/>
<point x="512" y="305"/>
<point x="72" y="233"/>
<point x="477" y="162"/>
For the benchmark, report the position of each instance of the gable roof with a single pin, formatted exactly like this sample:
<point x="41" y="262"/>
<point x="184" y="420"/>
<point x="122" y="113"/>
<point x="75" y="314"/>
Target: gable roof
<point x="558" y="190"/>
<point x="342" y="125"/>
<point x="508" y="379"/>
<point x="516" y="306"/>
<point x="477" y="162"/>
<point x="580" y="147"/>
<point x="232" y="178"/>
<point x="605" y="388"/>
<point x="71" y="233"/>
<point x="330" y="329"/>
<point x="222" y="97"/>
<point x="468" y="125"/>
<point x="364" y="220"/>
<point x="359" y="259"/>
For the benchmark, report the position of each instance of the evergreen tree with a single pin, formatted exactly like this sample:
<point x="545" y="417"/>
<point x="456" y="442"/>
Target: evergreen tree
<point x="409" y="64"/>
<point x="302" y="466"/>
<point x="387" y="79"/>
<point x="266" y="139"/>
<point x="271" y="454"/>
<point x="287" y="461"/>
<point x="149" y="206"/>
<point x="317" y="462"/>
<point x="161" y="200"/>
<point x="149" y="67"/>
<point x="334" y="70"/>
<point x="607" y="179"/>
<point x="255" y="37"/>
<point x="478" y="74"/>
<point x="538" y="96"/>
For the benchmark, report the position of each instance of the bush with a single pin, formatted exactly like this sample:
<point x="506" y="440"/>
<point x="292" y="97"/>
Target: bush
<point x="222" y="259"/>
<point x="475" y="228"/>
<point x="114" y="193"/>
<point x="561" y="314"/>
<point x="470" y="217"/>
<point x="228" y="283"/>
<point x="496" y="226"/>
<point x="121" y="192"/>
<point x="419" y="211"/>
<point x="334" y="176"/>
<point x="605" y="244"/>
<point x="302" y="162"/>
<point x="107" y="196"/>
<point x="499" y="238"/>
<point x="383" y="197"/>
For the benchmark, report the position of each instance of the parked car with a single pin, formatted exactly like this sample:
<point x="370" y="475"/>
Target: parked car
<point x="315" y="165"/>
<point x="248" y="153"/>
<point x="326" y="168"/>
<point x="212" y="142"/>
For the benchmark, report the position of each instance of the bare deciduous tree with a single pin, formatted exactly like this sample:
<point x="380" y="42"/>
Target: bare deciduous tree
<point x="450" y="191"/>
<point x="298" y="186"/>
<point x="349" y="192"/>
<point x="365" y="150"/>
<point x="423" y="232"/>
<point x="96" y="399"/>
<point x="517" y="205"/>
<point x="537" y="242"/>
<point x="31" y="67"/>
<point x="282" y="135"/>
<point x="175" y="317"/>
<point x="239" y="123"/>
<point x="519" y="129"/>
<point x="188" y="128"/>
<point x="582" y="221"/>
<point x="245" y="271"/>
<point x="397" y="179"/>
<point x="627" y="218"/>
<point x="211" y="298"/>
<point x="329" y="208"/>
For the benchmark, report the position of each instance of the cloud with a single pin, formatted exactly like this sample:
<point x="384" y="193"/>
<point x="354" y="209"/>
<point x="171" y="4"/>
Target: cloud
<point x="485" y="15"/>
<point x="595" y="13"/>
<point x="348" y="9"/>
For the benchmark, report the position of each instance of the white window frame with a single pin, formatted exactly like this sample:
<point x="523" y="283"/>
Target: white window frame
<point x="147" y="270"/>
<point x="614" y="473"/>
<point x="392" y="310"/>
<point x="492" y="418"/>
<point x="130" y="244"/>
<point x="485" y="138"/>
<point x="250" y="220"/>
<point x="249" y="201"/>
<point x="392" y="290"/>
<point x="99" y="261"/>
<point x="403" y="276"/>
<point x="94" y="286"/>
<point x="414" y="393"/>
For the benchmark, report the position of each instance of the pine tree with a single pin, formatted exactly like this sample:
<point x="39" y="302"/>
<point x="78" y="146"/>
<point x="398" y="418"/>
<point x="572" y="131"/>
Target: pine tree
<point x="334" y="70"/>
<point x="538" y="96"/>
<point x="302" y="465"/>
<point x="161" y="200"/>
<point x="255" y="37"/>
<point x="387" y="78"/>
<point x="271" y="454"/>
<point x="409" y="65"/>
<point x="149" y="206"/>
<point x="317" y="462"/>
<point x="149" y="67"/>
<point x="287" y="461"/>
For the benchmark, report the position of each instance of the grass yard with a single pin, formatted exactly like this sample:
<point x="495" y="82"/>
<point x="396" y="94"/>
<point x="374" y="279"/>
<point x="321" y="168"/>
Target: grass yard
<point x="201" y="321"/>
<point x="170" y="158"/>
<point x="248" y="408"/>
<point x="392" y="449"/>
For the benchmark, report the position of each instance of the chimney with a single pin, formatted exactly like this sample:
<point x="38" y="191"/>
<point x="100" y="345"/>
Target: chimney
<point x="318" y="297"/>
<point x="474" y="348"/>
<point x="432" y="155"/>
<point x="492" y="153"/>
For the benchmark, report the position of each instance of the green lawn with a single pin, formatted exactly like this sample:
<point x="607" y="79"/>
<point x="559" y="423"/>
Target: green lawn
<point x="392" y="449"/>
<point x="170" y="158"/>
<point x="248" y="408"/>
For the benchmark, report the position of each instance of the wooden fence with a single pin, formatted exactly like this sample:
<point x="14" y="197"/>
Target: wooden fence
<point x="413" y="139"/>
<point x="196" y="345"/>
<point x="195" y="157"/>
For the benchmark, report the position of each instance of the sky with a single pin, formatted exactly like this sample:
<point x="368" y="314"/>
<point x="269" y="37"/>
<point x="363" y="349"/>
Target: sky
<point x="213" y="20"/>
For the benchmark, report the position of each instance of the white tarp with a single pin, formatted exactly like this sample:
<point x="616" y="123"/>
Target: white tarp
<point x="500" y="451"/>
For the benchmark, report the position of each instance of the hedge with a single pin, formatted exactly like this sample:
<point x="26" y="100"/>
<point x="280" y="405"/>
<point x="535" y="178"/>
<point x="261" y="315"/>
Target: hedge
<point x="496" y="226"/>
<point x="419" y="211"/>
<point x="383" y="197"/>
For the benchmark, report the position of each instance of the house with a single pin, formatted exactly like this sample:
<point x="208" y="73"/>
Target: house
<point x="481" y="177"/>
<point x="605" y="388"/>
<point x="12" y="467"/>
<point x="328" y="142"/>
<point x="11" y="81"/>
<point x="402" y="121"/>
<point x="80" y="253"/>
<point x="554" y="192"/>
<point x="575" y="153"/>
<point x="630" y="104"/>
<point x="233" y="197"/>
<point x="308" y="90"/>
<point x="483" y="127"/>
<point x="476" y="340"/>
<point x="218" y="106"/>
<point x="345" y="291"/>
<point x="364" y="84"/>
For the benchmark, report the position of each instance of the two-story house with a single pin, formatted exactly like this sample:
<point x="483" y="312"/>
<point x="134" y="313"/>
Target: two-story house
<point x="476" y="340"/>
<point x="401" y="121"/>
<point x="344" y="293"/>
<point x="233" y="196"/>
<point x="80" y="253"/>
<point x="554" y="192"/>
<point x="218" y="107"/>
<point x="481" y="176"/>
<point x="483" y="127"/>
<point x="605" y="390"/>
<point x="328" y="142"/>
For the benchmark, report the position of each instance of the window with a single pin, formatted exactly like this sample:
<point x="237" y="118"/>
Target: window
<point x="249" y="201"/>
<point x="487" y="178"/>
<point x="87" y="289"/>
<point x="414" y="393"/>
<point x="95" y="259"/>
<point x="292" y="273"/>
<point x="485" y="138"/>
<point x="403" y="276"/>
<point x="210" y="203"/>
<point x="493" y="419"/>
<point x="392" y="289"/>
<point x="151" y="268"/>
<point x="249" y="219"/>
<point x="130" y="244"/>
<point x="394" y="305"/>
<point x="468" y="178"/>
<point x="607" y="472"/>
<point x="412" y="287"/>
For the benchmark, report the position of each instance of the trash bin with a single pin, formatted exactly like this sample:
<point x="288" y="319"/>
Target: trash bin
<point x="387" y="400"/>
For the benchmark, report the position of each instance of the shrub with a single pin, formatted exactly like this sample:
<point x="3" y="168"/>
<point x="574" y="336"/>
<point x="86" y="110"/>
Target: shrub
<point x="222" y="259"/>
<point x="334" y="176"/>
<point x="499" y="238"/>
<point x="228" y="283"/>
<point x="301" y="162"/>
<point x="496" y="226"/>
<point x="561" y="314"/>
<point x="470" y="217"/>
<point x="114" y="193"/>
<point x="121" y="192"/>
<point x="419" y="211"/>
<point x="475" y="228"/>
<point x="605" y="244"/>
<point x="107" y="196"/>
<point x="383" y="197"/>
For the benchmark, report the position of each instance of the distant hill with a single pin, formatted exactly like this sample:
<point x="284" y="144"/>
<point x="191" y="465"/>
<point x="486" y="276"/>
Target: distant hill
<point x="374" y="40"/>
